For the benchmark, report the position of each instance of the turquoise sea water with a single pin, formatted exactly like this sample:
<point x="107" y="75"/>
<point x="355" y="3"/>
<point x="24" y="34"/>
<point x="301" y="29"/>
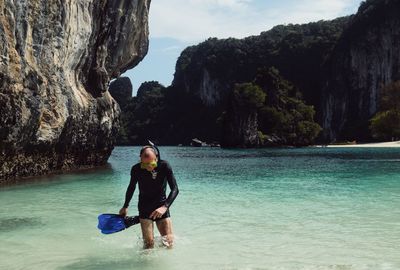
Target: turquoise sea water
<point x="308" y="208"/>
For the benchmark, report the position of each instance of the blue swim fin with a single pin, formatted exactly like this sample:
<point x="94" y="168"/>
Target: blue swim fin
<point x="112" y="223"/>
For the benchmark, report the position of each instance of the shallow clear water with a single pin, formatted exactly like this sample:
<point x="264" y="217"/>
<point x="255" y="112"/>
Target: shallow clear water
<point x="309" y="208"/>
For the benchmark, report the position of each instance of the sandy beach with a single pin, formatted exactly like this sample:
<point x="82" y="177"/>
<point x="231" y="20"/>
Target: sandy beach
<point x="380" y="144"/>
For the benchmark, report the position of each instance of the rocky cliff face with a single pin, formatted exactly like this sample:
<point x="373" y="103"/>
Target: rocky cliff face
<point x="57" y="58"/>
<point x="206" y="73"/>
<point x="366" y="57"/>
<point x="209" y="70"/>
<point x="240" y="127"/>
<point x="339" y="66"/>
<point x="121" y="90"/>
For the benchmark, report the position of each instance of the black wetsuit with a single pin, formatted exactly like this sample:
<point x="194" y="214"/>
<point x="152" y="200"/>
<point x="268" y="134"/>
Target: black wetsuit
<point x="152" y="191"/>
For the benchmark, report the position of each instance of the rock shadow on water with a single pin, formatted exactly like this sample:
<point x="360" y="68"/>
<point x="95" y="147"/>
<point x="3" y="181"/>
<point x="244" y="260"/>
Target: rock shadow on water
<point x="18" y="223"/>
<point x="98" y="263"/>
<point x="57" y="176"/>
<point x="138" y="258"/>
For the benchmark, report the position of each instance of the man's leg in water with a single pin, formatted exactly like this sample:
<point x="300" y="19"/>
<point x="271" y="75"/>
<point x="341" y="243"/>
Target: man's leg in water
<point x="147" y="232"/>
<point x="164" y="226"/>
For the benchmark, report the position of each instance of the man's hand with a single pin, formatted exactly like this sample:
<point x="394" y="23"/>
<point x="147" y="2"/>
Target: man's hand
<point x="158" y="212"/>
<point x="123" y="211"/>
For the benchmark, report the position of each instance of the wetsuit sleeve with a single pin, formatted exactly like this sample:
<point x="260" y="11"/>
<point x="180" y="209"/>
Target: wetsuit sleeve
<point x="131" y="189"/>
<point x="172" y="185"/>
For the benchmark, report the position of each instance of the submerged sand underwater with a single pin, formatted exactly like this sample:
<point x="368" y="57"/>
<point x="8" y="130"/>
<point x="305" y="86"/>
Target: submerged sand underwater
<point x="307" y="208"/>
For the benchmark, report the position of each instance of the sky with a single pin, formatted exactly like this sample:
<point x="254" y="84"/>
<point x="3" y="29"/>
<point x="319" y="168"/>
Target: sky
<point x="176" y="24"/>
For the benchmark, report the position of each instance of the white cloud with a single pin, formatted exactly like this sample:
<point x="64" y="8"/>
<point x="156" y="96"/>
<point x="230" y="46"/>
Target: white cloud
<point x="196" y="20"/>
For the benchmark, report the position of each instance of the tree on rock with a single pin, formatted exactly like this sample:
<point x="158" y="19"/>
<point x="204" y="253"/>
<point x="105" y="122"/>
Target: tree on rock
<point x="386" y="122"/>
<point x="240" y="127"/>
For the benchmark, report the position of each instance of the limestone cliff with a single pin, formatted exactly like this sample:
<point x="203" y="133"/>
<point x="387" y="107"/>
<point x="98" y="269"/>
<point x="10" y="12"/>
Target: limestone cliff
<point x="366" y="57"/>
<point x="206" y="73"/>
<point x="339" y="66"/>
<point x="57" y="58"/>
<point x="121" y="90"/>
<point x="240" y="124"/>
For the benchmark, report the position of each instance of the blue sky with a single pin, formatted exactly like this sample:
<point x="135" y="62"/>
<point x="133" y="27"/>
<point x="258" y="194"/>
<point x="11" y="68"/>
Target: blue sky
<point x="176" y="24"/>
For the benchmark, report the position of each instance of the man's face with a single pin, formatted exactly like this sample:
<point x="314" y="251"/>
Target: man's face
<point x="147" y="157"/>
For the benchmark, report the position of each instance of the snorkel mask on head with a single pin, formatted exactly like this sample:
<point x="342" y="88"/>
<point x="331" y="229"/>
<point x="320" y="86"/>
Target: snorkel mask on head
<point x="144" y="165"/>
<point x="153" y="164"/>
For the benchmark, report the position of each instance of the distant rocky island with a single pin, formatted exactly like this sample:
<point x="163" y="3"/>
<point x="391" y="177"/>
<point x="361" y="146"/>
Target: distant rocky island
<point x="292" y="85"/>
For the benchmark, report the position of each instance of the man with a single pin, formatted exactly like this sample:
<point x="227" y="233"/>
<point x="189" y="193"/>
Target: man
<point x="152" y="175"/>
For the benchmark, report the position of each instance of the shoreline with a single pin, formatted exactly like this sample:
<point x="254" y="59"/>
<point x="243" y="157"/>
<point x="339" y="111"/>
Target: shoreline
<point x="379" y="144"/>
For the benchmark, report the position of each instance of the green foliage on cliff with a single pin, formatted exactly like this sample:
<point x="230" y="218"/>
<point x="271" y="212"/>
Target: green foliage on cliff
<point x="249" y="95"/>
<point x="270" y="108"/>
<point x="149" y="89"/>
<point x="209" y="74"/>
<point x="158" y="113"/>
<point x="284" y="113"/>
<point x="386" y="122"/>
<point x="370" y="13"/>
<point x="298" y="51"/>
<point x="213" y="67"/>
<point x="142" y="117"/>
<point x="179" y="112"/>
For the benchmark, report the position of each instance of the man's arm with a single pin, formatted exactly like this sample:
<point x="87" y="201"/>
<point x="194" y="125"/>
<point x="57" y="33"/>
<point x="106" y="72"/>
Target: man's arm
<point x="172" y="185"/>
<point x="130" y="190"/>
